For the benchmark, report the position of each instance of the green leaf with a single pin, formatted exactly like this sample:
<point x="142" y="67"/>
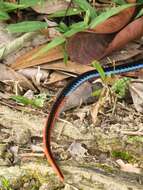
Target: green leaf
<point x="140" y="13"/>
<point x="6" y="184"/>
<point x="30" y="3"/>
<point x="4" y="16"/>
<point x="76" y="27"/>
<point x="120" y="87"/>
<point x="99" y="68"/>
<point x="87" y="17"/>
<point x="83" y="4"/>
<point x="62" y="13"/>
<point x="26" y="26"/>
<point x="119" y="2"/>
<point x="140" y="1"/>
<point x="38" y="101"/>
<point x="65" y="55"/>
<point x="105" y="15"/>
<point x="7" y="7"/>
<point x="97" y="92"/>
<point x="62" y="27"/>
<point x="122" y="155"/>
<point x="21" y="99"/>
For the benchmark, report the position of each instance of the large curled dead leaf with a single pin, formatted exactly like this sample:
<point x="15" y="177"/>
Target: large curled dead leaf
<point x="117" y="22"/>
<point x="84" y="47"/>
<point x="131" y="32"/>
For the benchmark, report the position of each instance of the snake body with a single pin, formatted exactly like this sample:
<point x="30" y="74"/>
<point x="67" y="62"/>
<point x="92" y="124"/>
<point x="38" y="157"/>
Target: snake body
<point x="61" y="98"/>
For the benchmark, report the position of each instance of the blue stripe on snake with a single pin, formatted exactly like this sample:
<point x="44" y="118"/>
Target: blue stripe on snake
<point x="94" y="74"/>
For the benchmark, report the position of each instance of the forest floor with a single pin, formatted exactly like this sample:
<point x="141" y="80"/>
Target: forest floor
<point x="98" y="139"/>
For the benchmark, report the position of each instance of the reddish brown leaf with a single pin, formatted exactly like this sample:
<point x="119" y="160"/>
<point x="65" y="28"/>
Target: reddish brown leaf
<point x="115" y="23"/>
<point x="131" y="32"/>
<point x="84" y="47"/>
<point x="23" y="61"/>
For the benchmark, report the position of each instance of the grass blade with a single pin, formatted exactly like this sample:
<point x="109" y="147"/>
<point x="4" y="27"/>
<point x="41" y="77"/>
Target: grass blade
<point x="83" y="4"/>
<point x="30" y="3"/>
<point x="77" y="27"/>
<point x="100" y="70"/>
<point x="119" y="2"/>
<point x="7" y="7"/>
<point x="140" y="13"/>
<point x="70" y="12"/>
<point x="111" y="12"/>
<point x="26" y="26"/>
<point x="4" y="16"/>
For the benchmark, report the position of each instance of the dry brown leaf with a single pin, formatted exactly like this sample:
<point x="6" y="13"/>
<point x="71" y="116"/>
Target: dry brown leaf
<point x="84" y="47"/>
<point x="115" y="23"/>
<point x="49" y="7"/>
<point x="131" y="32"/>
<point x="8" y="74"/>
<point x="31" y="73"/>
<point x="97" y="106"/>
<point x="136" y="90"/>
<point x="128" y="167"/>
<point x="130" y="53"/>
<point x="69" y="67"/>
<point x="23" y="61"/>
<point x="55" y="77"/>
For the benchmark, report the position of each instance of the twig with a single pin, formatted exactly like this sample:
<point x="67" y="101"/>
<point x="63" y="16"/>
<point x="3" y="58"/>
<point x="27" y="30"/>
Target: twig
<point x="27" y="155"/>
<point x="136" y="133"/>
